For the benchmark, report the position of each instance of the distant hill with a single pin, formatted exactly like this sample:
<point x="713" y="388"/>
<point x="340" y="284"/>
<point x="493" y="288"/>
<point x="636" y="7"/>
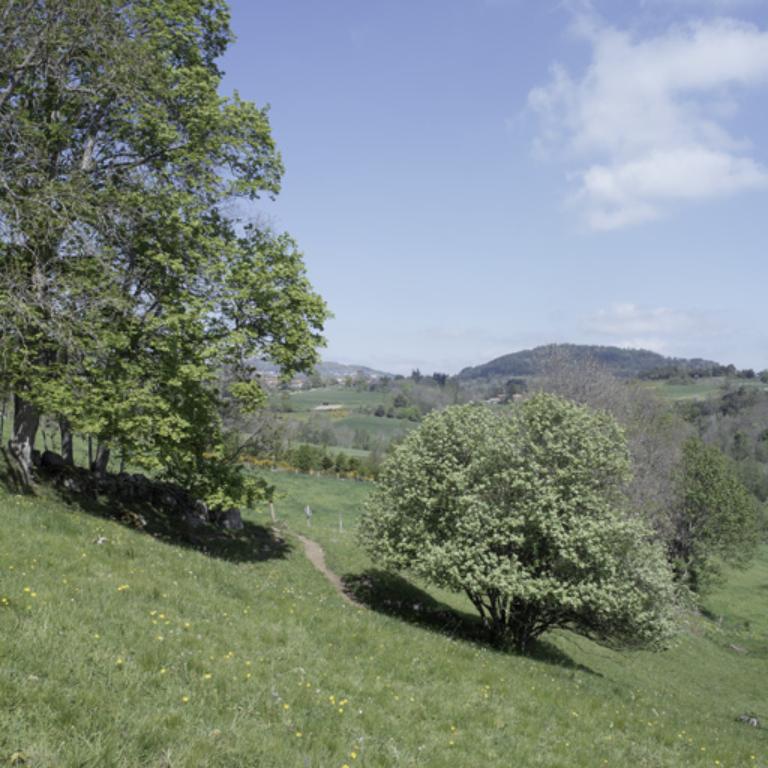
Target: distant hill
<point x="341" y="369"/>
<point x="621" y="362"/>
<point x="328" y="369"/>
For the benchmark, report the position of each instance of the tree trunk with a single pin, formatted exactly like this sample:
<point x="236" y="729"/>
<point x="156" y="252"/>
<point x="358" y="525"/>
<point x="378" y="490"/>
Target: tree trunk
<point x="100" y="463"/>
<point x="26" y="419"/>
<point x="67" y="444"/>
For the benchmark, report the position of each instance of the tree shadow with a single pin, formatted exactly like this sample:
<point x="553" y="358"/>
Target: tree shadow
<point x="394" y="596"/>
<point x="735" y="633"/>
<point x="253" y="543"/>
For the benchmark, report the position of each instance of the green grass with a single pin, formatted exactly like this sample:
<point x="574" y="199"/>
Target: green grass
<point x="376" y="425"/>
<point x="348" y="420"/>
<point x="348" y="397"/>
<point x="344" y="424"/>
<point x="700" y="389"/>
<point x="334" y="450"/>
<point x="261" y="664"/>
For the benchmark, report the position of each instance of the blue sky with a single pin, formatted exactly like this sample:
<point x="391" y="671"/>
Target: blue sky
<point x="468" y="178"/>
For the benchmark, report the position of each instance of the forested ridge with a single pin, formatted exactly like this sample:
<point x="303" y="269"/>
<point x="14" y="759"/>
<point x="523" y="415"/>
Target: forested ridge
<point x="619" y="360"/>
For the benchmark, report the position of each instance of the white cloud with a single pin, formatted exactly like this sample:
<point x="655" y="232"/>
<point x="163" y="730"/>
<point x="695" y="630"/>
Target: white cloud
<point x="660" y="329"/>
<point x="646" y="122"/>
<point x="627" y="319"/>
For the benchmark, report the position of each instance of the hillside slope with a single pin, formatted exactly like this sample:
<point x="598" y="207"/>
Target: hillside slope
<point x="620" y="361"/>
<point x="119" y="649"/>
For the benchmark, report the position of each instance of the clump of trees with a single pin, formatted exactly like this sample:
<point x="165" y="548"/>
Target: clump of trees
<point x="668" y="463"/>
<point x="695" y="369"/>
<point x="311" y="458"/>
<point x="714" y="518"/>
<point x="314" y="459"/>
<point x="524" y="512"/>
<point x="737" y="423"/>
<point x="654" y="433"/>
<point x="126" y="286"/>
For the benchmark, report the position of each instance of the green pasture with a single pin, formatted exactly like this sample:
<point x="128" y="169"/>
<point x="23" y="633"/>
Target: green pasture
<point x="334" y="450"/>
<point x="119" y="648"/>
<point x="376" y="426"/>
<point x="700" y="389"/>
<point x="347" y="396"/>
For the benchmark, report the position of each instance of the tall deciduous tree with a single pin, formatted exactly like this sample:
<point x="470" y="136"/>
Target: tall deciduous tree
<point x="654" y="433"/>
<point x="716" y="518"/>
<point x="523" y="513"/>
<point x="125" y="287"/>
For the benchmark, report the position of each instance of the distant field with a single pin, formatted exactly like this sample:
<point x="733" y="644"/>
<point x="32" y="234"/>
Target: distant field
<point x="376" y="425"/>
<point x="701" y="388"/>
<point x="348" y="397"/>
<point x="347" y="421"/>
<point x="335" y="449"/>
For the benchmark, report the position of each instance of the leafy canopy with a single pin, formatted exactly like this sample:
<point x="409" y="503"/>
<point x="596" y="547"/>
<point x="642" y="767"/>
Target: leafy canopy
<point x="522" y="511"/>
<point x="127" y="283"/>
<point x="716" y="518"/>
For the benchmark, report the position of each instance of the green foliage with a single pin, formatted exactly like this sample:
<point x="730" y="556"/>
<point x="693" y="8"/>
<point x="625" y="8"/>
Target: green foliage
<point x="341" y="462"/>
<point x="306" y="457"/>
<point x="125" y="289"/>
<point x="249" y="394"/>
<point x="522" y="512"/>
<point x="716" y="518"/>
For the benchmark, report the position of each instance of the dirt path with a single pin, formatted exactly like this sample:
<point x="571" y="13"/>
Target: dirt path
<point x="316" y="556"/>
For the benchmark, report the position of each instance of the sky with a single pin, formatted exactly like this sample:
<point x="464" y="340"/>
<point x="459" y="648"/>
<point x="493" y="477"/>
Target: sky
<point x="467" y="178"/>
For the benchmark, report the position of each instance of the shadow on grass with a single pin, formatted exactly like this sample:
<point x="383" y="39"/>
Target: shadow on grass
<point x="254" y="543"/>
<point x="709" y="614"/>
<point x="735" y="634"/>
<point x="392" y="595"/>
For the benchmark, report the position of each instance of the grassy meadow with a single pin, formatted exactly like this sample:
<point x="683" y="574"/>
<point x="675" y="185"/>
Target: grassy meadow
<point x="700" y="389"/>
<point x="350" y="398"/>
<point x="232" y="650"/>
<point x="349" y="430"/>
